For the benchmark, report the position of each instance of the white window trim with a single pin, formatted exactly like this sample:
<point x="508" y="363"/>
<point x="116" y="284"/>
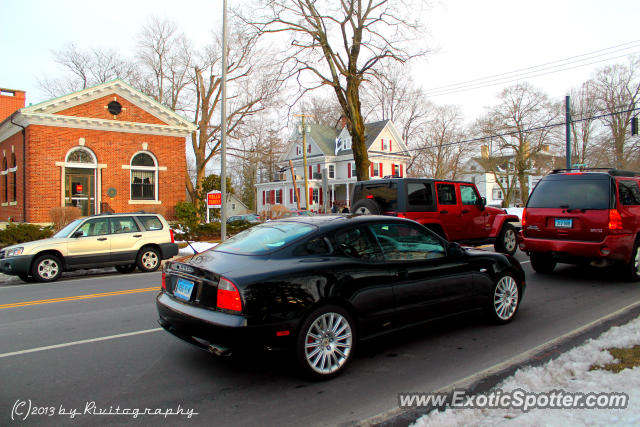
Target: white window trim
<point x="329" y="171"/>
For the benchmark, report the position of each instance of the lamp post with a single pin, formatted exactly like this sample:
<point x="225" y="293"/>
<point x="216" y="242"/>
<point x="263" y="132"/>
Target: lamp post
<point x="223" y="149"/>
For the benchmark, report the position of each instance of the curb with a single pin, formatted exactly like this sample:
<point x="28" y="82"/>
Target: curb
<point x="485" y="380"/>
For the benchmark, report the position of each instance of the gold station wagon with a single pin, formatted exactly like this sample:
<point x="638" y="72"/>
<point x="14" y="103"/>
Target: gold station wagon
<point x="125" y="241"/>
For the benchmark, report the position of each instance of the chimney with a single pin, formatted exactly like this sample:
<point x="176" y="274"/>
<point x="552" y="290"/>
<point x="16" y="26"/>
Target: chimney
<point x="342" y="122"/>
<point x="10" y="102"/>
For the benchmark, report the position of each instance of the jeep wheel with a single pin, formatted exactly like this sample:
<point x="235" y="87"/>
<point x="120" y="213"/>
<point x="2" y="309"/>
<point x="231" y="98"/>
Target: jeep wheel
<point x="542" y="263"/>
<point x="633" y="267"/>
<point x="124" y="269"/>
<point x="366" y="207"/>
<point x="507" y="241"/>
<point x="148" y="259"/>
<point x="46" y="268"/>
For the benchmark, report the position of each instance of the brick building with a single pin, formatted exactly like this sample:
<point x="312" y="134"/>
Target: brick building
<point x="106" y="148"/>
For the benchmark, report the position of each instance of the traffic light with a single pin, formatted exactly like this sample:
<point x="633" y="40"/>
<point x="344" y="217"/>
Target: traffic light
<point x="634" y="125"/>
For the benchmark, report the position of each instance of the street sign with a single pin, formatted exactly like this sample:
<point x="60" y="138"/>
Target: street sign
<point x="214" y="199"/>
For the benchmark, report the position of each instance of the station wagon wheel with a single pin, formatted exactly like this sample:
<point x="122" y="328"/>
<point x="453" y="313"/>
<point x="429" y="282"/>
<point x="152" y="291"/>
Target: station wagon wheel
<point x="366" y="207"/>
<point x="634" y="263"/>
<point x="148" y="259"/>
<point x="326" y="342"/>
<point x="46" y="268"/>
<point x="124" y="269"/>
<point x="505" y="299"/>
<point x="507" y="241"/>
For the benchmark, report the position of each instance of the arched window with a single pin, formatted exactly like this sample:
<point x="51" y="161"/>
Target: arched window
<point x="80" y="155"/>
<point x="144" y="177"/>
<point x="14" y="177"/>
<point x="5" y="181"/>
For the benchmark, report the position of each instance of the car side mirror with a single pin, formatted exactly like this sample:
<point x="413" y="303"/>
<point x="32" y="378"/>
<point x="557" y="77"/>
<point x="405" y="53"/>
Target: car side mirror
<point x="454" y="250"/>
<point x="77" y="234"/>
<point x="482" y="202"/>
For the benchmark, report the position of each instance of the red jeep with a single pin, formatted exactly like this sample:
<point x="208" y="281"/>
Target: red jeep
<point x="453" y="209"/>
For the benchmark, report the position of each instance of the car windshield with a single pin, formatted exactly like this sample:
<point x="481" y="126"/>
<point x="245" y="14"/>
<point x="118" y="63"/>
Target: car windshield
<point x="66" y="231"/>
<point x="265" y="238"/>
<point x="571" y="192"/>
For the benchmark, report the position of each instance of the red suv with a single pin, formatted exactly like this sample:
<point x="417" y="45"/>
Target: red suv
<point x="584" y="216"/>
<point x="453" y="209"/>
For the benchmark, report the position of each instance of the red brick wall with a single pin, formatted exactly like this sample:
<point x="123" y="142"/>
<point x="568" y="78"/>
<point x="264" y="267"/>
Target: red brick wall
<point x="97" y="110"/>
<point x="47" y="145"/>
<point x="10" y="102"/>
<point x="15" y="212"/>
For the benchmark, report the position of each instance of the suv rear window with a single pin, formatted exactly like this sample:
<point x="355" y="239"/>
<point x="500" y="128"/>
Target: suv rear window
<point x="386" y="194"/>
<point x="572" y="192"/>
<point x="629" y="192"/>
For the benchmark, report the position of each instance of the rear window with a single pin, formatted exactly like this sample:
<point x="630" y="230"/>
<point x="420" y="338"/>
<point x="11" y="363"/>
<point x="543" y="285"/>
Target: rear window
<point x="265" y="238"/>
<point x="572" y="192"/>
<point x="385" y="193"/>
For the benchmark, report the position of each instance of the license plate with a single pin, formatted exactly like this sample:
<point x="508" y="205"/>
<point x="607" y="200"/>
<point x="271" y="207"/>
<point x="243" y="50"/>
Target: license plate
<point x="564" y="223"/>
<point x="183" y="289"/>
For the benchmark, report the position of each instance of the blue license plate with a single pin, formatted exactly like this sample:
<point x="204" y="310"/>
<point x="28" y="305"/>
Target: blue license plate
<point x="564" y="223"/>
<point x="183" y="289"/>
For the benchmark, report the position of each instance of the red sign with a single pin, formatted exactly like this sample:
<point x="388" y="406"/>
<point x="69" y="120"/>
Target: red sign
<point x="214" y="199"/>
<point x="78" y="188"/>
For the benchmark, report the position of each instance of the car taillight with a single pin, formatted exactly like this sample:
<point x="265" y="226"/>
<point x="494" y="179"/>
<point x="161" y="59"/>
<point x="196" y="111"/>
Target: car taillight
<point x="164" y="281"/>
<point x="171" y="233"/>
<point x="524" y="217"/>
<point x="228" y="297"/>
<point x="615" y="220"/>
<point x="401" y="215"/>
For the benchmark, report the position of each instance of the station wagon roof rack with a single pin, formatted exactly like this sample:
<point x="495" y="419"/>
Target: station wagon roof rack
<point x="610" y="171"/>
<point x="122" y="213"/>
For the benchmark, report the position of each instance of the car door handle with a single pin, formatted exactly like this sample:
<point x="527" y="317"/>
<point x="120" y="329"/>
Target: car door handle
<point x="444" y="212"/>
<point x="137" y="235"/>
<point x="102" y="238"/>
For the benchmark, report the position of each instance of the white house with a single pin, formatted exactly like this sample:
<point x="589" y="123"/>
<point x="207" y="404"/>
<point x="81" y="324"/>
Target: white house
<point x="329" y="149"/>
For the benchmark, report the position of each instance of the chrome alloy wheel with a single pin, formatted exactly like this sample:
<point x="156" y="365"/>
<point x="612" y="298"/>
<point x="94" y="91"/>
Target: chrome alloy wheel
<point x="505" y="298"/>
<point x="150" y="259"/>
<point x="48" y="268"/>
<point x="328" y="343"/>
<point x="509" y="240"/>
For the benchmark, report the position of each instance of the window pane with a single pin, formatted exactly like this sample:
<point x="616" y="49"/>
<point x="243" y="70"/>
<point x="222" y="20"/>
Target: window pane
<point x="95" y="227"/>
<point x="401" y="242"/>
<point x="446" y="194"/>
<point x="142" y="159"/>
<point x="468" y="195"/>
<point x="123" y="225"/>
<point x="356" y="243"/>
<point x="80" y="156"/>
<point x="142" y="185"/>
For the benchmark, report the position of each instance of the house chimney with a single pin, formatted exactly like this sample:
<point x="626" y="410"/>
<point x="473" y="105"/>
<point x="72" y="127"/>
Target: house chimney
<point x="10" y="102"/>
<point x="343" y="122"/>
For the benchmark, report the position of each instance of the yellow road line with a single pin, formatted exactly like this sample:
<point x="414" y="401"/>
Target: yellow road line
<point x="79" y="297"/>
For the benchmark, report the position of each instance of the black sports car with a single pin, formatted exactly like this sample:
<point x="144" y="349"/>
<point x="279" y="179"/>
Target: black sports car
<point x="320" y="284"/>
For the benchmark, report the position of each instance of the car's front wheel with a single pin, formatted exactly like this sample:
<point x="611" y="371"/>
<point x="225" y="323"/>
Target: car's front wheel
<point x="124" y="269"/>
<point x="505" y="299"/>
<point x="46" y="268"/>
<point x="542" y="263"/>
<point x="507" y="241"/>
<point x="325" y="342"/>
<point x="148" y="259"/>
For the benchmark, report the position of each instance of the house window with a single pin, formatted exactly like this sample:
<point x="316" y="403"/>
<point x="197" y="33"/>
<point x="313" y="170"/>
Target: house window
<point x="497" y="194"/>
<point x="315" y="196"/>
<point x="298" y="150"/>
<point x="309" y="148"/>
<point x="144" y="177"/>
<point x="385" y="145"/>
<point x="279" y="197"/>
<point x="14" y="176"/>
<point x="353" y="169"/>
<point x="396" y="170"/>
<point x="332" y="171"/>
<point x="5" y="181"/>
<point x="375" y="169"/>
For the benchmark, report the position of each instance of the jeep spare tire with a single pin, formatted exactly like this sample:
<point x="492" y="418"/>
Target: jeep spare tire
<point x="366" y="207"/>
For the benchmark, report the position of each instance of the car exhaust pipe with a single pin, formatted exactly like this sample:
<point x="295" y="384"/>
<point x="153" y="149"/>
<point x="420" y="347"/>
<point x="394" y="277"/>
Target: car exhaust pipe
<point x="218" y="350"/>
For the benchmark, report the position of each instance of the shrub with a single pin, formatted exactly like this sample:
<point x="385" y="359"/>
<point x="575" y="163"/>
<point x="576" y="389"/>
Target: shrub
<point x="187" y="216"/>
<point x="63" y="215"/>
<point x="23" y="232"/>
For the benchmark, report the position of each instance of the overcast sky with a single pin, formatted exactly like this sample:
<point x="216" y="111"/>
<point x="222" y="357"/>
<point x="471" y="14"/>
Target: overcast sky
<point x="472" y="39"/>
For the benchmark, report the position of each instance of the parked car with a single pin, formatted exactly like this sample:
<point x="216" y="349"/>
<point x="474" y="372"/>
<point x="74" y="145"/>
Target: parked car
<point x="121" y="240"/>
<point x="253" y="218"/>
<point x="300" y="212"/>
<point x="453" y="209"/>
<point x="590" y="216"/>
<point x="319" y="285"/>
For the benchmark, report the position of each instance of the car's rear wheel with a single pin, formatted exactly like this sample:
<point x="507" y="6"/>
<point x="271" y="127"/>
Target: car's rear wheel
<point x="507" y="241"/>
<point x="46" y="268"/>
<point x="124" y="269"/>
<point x="325" y="342"/>
<point x="148" y="259"/>
<point x="505" y="299"/>
<point x="366" y="207"/>
<point x="633" y="267"/>
<point x="542" y="263"/>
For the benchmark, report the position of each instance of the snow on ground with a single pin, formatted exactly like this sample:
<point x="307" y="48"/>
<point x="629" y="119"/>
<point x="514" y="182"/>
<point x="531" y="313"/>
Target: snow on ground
<point x="568" y="373"/>
<point x="515" y="211"/>
<point x="198" y="246"/>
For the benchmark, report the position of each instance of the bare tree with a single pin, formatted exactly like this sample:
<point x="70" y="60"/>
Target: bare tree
<point x="520" y="126"/>
<point x="323" y="110"/>
<point x="584" y="109"/>
<point x="617" y="89"/>
<point x="339" y="45"/>
<point x="440" y="149"/>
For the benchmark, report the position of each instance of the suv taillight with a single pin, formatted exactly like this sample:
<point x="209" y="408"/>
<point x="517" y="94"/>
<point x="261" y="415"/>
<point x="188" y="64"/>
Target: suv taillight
<point x="171" y="233"/>
<point x="228" y="297"/>
<point x="523" y="222"/>
<point x="615" y="220"/>
<point x="164" y="281"/>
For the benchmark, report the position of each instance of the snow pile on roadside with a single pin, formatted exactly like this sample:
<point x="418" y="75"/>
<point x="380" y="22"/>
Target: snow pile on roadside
<point x="198" y="246"/>
<point x="568" y="373"/>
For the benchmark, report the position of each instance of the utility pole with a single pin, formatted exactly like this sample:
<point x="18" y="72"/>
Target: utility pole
<point x="223" y="130"/>
<point x="304" y="157"/>
<point x="567" y="102"/>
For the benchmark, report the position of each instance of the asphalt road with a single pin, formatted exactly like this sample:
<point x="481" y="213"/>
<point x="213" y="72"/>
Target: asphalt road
<point x="104" y="351"/>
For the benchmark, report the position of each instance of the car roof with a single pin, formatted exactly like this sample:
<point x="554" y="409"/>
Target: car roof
<point x="416" y="179"/>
